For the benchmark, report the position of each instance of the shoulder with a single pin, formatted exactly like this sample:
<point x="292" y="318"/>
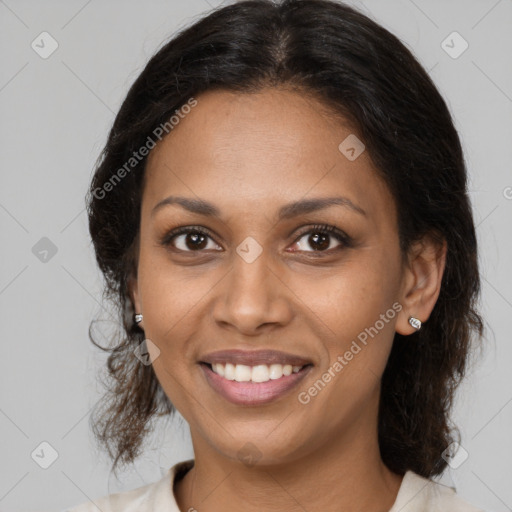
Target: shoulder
<point x="136" y="499"/>
<point x="155" y="496"/>
<point x="421" y="494"/>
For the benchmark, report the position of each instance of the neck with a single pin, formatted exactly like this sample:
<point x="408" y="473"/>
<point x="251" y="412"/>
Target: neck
<point x="347" y="475"/>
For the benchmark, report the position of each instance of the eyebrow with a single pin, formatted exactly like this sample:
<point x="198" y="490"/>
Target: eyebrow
<point x="303" y="206"/>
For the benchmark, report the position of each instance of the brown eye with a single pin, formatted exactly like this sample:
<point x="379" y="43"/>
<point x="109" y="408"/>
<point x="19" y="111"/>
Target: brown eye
<point x="320" y="239"/>
<point x="189" y="239"/>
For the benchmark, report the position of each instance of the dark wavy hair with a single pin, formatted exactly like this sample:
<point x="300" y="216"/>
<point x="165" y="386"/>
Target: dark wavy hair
<point x="362" y="72"/>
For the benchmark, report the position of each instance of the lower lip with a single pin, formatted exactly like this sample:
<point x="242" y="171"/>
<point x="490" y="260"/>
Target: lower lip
<point x="253" y="393"/>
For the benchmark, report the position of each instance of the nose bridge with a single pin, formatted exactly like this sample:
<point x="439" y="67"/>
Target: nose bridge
<point x="251" y="285"/>
<point x="251" y="269"/>
<point x="252" y="294"/>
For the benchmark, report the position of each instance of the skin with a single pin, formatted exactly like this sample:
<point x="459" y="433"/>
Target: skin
<point x="250" y="154"/>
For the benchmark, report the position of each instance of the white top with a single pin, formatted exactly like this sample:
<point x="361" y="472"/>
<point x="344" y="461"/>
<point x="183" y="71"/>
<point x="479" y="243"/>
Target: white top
<point x="416" y="494"/>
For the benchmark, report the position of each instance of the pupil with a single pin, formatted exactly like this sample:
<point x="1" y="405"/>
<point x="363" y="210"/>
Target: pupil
<point x="325" y="240"/>
<point x="195" y="237"/>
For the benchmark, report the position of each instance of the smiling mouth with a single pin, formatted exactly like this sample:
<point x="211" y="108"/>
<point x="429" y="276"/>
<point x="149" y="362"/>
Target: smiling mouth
<point x="257" y="374"/>
<point x="263" y="390"/>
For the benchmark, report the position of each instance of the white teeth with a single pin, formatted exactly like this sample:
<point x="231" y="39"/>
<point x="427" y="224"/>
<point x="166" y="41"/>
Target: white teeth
<point x="229" y="371"/>
<point x="258" y="373"/>
<point x="218" y="368"/>
<point x="242" y="373"/>
<point x="276" y="371"/>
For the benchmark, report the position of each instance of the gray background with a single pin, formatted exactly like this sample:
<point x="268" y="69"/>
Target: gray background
<point x="55" y="115"/>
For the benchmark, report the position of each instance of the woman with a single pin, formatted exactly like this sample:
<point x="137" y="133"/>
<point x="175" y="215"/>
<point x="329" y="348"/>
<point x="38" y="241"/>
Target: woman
<point x="282" y="219"/>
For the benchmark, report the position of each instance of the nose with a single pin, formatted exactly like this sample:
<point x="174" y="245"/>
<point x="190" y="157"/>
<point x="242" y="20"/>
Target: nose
<point x="253" y="298"/>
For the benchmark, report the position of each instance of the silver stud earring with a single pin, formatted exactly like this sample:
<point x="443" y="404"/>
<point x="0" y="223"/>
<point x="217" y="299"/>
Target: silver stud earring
<point x="415" y="323"/>
<point x="138" y="318"/>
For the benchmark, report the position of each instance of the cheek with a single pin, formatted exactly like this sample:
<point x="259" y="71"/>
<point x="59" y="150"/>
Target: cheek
<point x="167" y="290"/>
<point x="356" y="304"/>
<point x="169" y="301"/>
<point x="353" y="296"/>
<point x="169" y="298"/>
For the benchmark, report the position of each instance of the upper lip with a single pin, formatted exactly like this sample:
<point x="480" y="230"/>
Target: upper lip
<point x="253" y="358"/>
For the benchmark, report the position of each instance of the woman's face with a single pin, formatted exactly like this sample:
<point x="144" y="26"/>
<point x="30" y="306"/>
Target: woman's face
<point x="260" y="281"/>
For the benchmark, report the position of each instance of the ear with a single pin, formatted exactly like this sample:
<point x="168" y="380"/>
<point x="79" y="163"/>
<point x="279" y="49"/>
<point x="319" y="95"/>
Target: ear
<point x="421" y="283"/>
<point x="133" y="292"/>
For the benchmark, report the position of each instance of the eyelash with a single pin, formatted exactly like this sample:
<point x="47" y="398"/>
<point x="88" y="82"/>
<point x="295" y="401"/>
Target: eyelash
<point x="324" y="229"/>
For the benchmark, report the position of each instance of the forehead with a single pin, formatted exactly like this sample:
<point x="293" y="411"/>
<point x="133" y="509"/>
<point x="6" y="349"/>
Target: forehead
<point x="249" y="149"/>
